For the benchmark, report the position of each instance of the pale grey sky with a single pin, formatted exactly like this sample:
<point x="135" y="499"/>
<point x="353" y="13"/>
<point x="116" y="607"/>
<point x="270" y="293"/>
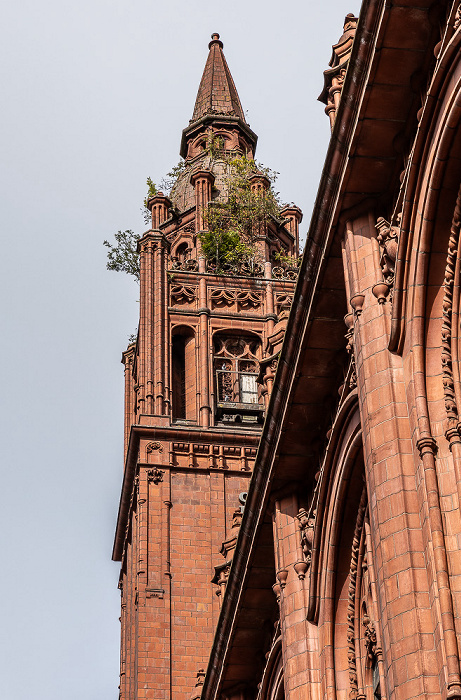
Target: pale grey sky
<point x="95" y="94"/>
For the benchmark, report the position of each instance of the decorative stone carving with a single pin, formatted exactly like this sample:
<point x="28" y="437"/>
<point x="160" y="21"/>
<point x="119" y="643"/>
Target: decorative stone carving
<point x="227" y="550"/>
<point x="357" y="303"/>
<point x="155" y="593"/>
<point x="183" y="294"/>
<point x="154" y="447"/>
<point x="380" y="291"/>
<point x="370" y="637"/>
<point x="248" y="300"/>
<point x="277" y="591"/>
<point x="283" y="302"/>
<point x="388" y="239"/>
<point x="222" y="297"/>
<point x="282" y="576"/>
<point x="447" y="312"/>
<point x="190" y="265"/>
<point x="247" y="268"/>
<point x="352" y="374"/>
<point x="306" y="523"/>
<point x="352" y="594"/>
<point x="285" y="273"/>
<point x="154" y="476"/>
<point x="335" y="75"/>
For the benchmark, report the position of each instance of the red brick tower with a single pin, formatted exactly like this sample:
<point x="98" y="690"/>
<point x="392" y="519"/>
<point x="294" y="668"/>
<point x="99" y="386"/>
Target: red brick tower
<point x="193" y="406"/>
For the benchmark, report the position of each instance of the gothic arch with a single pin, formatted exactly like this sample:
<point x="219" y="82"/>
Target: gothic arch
<point x="433" y="159"/>
<point x="342" y="591"/>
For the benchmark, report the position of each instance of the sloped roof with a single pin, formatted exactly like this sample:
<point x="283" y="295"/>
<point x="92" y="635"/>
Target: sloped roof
<point x="217" y="93"/>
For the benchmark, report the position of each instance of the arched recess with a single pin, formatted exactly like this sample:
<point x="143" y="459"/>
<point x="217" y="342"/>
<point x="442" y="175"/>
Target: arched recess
<point x="342" y="587"/>
<point x="183" y="373"/>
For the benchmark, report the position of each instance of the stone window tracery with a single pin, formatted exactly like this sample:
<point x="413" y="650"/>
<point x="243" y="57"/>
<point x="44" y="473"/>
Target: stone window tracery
<point x="236" y="367"/>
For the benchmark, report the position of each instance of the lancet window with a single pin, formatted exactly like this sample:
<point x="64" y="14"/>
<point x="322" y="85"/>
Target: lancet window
<point x="183" y="379"/>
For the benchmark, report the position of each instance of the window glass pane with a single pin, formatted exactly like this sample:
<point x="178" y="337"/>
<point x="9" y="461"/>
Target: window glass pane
<point x="248" y="388"/>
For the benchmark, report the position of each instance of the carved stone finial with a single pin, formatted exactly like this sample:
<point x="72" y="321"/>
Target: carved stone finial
<point x="277" y="591"/>
<point x="334" y="76"/>
<point x="380" y="291"/>
<point x="301" y="568"/>
<point x="282" y="576"/>
<point x="357" y="303"/>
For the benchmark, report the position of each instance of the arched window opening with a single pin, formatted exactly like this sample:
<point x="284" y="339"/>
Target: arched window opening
<point x="236" y="368"/>
<point x="183" y="252"/>
<point x="183" y="379"/>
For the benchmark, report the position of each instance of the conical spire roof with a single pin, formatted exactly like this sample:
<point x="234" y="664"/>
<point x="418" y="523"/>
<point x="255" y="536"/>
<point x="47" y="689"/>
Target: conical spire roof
<point x="217" y="93"/>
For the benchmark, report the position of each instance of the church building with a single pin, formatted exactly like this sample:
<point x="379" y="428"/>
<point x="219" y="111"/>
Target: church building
<point x="289" y="524"/>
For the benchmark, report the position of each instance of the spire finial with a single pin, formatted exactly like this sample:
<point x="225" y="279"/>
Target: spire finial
<point x="215" y="40"/>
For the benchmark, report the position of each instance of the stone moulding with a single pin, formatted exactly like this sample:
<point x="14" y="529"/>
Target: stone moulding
<point x="347" y="415"/>
<point x="354" y="584"/>
<point x="451" y="407"/>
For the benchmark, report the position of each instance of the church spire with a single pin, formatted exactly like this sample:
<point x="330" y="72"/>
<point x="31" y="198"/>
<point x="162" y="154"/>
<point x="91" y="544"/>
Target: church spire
<point x="218" y="109"/>
<point x="217" y="93"/>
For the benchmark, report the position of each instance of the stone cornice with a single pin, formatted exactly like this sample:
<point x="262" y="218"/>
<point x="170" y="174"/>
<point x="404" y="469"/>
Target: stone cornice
<point x="176" y="432"/>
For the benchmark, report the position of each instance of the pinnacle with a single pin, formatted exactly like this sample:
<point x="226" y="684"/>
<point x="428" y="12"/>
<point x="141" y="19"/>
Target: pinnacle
<point x="217" y="93"/>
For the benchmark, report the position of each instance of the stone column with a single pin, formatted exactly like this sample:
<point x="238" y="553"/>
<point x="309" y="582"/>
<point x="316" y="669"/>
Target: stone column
<point x="153" y="341"/>
<point x="203" y="181"/>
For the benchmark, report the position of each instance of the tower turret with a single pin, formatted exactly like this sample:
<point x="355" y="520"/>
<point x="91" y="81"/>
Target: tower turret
<point x="194" y="407"/>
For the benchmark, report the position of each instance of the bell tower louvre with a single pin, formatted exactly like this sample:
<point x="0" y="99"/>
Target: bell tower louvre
<point x="217" y="274"/>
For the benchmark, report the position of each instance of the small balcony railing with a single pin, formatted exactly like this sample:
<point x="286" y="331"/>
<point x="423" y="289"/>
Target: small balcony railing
<point x="237" y="389"/>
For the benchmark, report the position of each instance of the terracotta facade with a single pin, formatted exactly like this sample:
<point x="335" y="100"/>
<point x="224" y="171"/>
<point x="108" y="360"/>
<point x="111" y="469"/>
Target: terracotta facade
<point x="342" y="573"/>
<point x="193" y="405"/>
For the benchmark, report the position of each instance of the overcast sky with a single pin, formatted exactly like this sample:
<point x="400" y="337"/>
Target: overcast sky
<point x="95" y="94"/>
